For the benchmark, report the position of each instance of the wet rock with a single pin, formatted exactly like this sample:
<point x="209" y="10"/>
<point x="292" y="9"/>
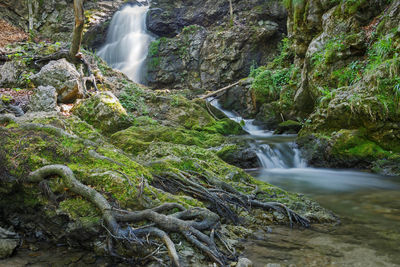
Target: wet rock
<point x="239" y="99"/>
<point x="240" y="156"/>
<point x="44" y="99"/>
<point x="288" y="127"/>
<point x="63" y="76"/>
<point x="103" y="111"/>
<point x="244" y="262"/>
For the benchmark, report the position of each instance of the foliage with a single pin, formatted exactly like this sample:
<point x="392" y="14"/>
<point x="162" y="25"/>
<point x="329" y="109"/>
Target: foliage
<point x="267" y="84"/>
<point x="132" y="98"/>
<point x="348" y="75"/>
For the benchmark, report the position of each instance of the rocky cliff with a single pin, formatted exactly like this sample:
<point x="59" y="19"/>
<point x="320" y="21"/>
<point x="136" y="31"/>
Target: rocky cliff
<point x="203" y="48"/>
<point x="338" y="75"/>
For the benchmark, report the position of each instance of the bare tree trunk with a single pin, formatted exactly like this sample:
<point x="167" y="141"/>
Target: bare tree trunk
<point x="78" y="29"/>
<point x="30" y="15"/>
<point x="231" y="11"/>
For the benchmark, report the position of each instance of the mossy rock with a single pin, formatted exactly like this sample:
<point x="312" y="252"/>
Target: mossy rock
<point x="136" y="139"/>
<point x="354" y="144"/>
<point x="288" y="127"/>
<point x="104" y="111"/>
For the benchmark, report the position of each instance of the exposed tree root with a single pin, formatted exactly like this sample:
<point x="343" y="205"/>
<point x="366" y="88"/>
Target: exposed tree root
<point x="220" y="194"/>
<point x="188" y="222"/>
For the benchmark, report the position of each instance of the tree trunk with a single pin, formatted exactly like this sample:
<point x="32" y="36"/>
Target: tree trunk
<point x="78" y="29"/>
<point x="231" y="11"/>
<point x="30" y="15"/>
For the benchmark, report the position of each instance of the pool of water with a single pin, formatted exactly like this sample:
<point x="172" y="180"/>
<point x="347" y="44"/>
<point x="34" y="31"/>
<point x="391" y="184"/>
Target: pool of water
<point x="369" y="209"/>
<point x="368" y="206"/>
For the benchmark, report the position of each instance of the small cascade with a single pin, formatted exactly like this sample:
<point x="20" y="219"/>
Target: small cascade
<point x="273" y="151"/>
<point x="128" y="41"/>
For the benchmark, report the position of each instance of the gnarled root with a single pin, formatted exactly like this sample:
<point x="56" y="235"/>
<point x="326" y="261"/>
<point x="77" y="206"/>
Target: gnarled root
<point x="188" y="222"/>
<point x="221" y="195"/>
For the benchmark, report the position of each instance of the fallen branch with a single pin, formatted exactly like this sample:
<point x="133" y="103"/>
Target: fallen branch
<point x="219" y="90"/>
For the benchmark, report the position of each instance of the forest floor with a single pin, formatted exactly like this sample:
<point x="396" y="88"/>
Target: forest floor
<point x="10" y="34"/>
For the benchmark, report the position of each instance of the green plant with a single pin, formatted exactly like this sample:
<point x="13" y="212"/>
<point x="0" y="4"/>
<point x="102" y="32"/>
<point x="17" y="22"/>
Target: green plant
<point x="349" y="75"/>
<point x="326" y="95"/>
<point x="132" y="98"/>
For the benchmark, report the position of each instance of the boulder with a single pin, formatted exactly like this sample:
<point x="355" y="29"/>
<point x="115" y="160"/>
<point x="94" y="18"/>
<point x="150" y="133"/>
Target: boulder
<point x="288" y="127"/>
<point x="10" y="73"/>
<point x="8" y="242"/>
<point x="104" y="111"/>
<point x="44" y="99"/>
<point x="63" y="76"/>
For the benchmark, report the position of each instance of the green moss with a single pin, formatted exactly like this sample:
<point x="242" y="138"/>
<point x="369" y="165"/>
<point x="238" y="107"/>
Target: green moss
<point x="104" y="112"/>
<point x="354" y="144"/>
<point x="77" y="208"/>
<point x="136" y="139"/>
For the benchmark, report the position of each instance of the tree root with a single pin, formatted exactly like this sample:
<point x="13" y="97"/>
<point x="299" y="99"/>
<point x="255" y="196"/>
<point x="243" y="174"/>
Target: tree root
<point x="220" y="194"/>
<point x="188" y="222"/>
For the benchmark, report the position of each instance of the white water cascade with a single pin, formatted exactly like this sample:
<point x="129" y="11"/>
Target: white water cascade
<point x="273" y="151"/>
<point x="282" y="164"/>
<point x="128" y="41"/>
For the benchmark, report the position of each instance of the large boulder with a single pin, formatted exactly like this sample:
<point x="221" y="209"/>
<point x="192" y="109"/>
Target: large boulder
<point x="44" y="99"/>
<point x="63" y="76"/>
<point x="104" y="111"/>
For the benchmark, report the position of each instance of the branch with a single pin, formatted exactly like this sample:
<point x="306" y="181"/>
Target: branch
<point x="220" y="90"/>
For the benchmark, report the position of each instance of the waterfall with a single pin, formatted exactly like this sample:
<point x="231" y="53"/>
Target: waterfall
<point x="128" y="41"/>
<point x="273" y="151"/>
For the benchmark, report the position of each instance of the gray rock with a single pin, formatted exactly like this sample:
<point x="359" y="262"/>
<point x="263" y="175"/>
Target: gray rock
<point x="244" y="262"/>
<point x="8" y="243"/>
<point x="206" y="51"/>
<point x="10" y="73"/>
<point x="44" y="99"/>
<point x="63" y="76"/>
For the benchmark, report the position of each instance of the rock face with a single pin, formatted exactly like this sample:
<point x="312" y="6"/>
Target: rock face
<point x="347" y="53"/>
<point x="63" y="76"/>
<point x="104" y="111"/>
<point x="206" y="49"/>
<point x="44" y="99"/>
<point x="55" y="19"/>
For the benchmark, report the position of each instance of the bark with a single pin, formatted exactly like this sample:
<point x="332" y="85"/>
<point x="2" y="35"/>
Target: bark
<point x="78" y="29"/>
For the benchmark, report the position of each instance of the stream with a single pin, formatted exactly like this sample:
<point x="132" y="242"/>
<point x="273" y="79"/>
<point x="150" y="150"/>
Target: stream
<point x="368" y="206"/>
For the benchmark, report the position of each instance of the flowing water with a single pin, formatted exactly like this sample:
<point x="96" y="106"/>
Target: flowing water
<point x="128" y="41"/>
<point x="367" y="204"/>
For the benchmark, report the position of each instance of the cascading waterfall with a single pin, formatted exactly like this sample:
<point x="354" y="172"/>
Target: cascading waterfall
<point x="283" y="165"/>
<point x="273" y="151"/>
<point x="128" y="41"/>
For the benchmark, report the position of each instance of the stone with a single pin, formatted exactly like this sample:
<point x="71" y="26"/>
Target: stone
<point x="10" y="73"/>
<point x="104" y="111"/>
<point x="8" y="243"/>
<point x="7" y="247"/>
<point x="44" y="99"/>
<point x="63" y="76"/>
<point x="244" y="262"/>
<point x="288" y="127"/>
